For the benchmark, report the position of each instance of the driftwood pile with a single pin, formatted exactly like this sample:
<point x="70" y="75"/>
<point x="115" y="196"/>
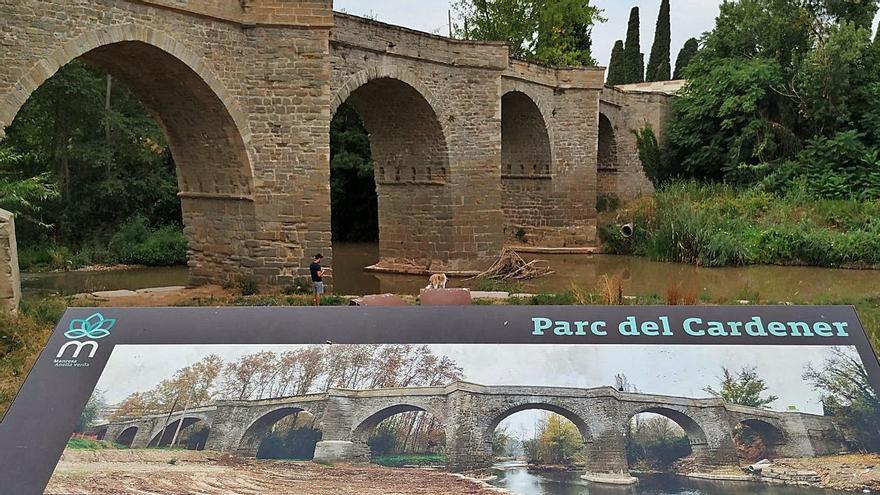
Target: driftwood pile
<point x="511" y="266"/>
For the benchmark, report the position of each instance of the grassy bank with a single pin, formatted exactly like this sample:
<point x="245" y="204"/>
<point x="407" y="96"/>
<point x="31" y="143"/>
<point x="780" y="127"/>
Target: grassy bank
<point x="89" y="444"/>
<point x="717" y="225"/>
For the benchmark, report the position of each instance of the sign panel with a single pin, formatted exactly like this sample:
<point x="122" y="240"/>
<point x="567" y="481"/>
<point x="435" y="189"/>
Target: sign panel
<point x="234" y="373"/>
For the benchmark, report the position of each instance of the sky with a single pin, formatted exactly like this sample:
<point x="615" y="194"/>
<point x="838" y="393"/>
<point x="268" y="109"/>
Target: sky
<point x="652" y="369"/>
<point x="690" y="19"/>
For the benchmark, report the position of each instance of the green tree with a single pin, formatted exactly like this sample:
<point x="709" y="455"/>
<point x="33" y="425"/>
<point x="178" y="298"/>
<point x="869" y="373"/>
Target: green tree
<point x="687" y="53"/>
<point x="90" y="413"/>
<point x="107" y="163"/>
<point x="616" y="68"/>
<point x="556" y="32"/>
<point x="558" y="441"/>
<point x="23" y="195"/>
<point x="847" y="394"/>
<point x="354" y="203"/>
<point x="859" y="12"/>
<point x="743" y="387"/>
<point x="634" y="59"/>
<point x="659" y="68"/>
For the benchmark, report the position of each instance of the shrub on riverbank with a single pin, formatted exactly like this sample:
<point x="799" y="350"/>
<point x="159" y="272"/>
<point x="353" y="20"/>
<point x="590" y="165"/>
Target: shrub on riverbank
<point x="718" y="225"/>
<point x="134" y="243"/>
<point x="89" y="444"/>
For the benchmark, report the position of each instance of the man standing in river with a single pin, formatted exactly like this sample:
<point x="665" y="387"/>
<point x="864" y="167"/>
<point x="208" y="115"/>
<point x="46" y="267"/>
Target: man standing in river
<point x="317" y="278"/>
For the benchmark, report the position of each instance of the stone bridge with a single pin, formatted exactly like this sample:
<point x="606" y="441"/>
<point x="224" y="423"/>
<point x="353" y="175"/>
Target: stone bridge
<point x="470" y="413"/>
<point x="471" y="149"/>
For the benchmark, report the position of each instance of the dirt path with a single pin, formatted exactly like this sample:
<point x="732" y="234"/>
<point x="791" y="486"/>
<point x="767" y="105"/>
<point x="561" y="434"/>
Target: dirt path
<point x="850" y="472"/>
<point x="212" y="476"/>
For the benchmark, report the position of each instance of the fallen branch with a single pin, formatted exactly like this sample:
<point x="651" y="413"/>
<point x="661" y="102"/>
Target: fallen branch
<point x="511" y="266"/>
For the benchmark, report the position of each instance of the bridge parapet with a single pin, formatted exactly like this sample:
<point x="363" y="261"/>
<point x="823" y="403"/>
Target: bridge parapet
<point x="315" y="13"/>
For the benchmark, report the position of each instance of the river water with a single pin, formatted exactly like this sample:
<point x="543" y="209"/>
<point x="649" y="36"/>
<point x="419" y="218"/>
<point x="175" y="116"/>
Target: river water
<point x="639" y="277"/>
<point x="522" y="482"/>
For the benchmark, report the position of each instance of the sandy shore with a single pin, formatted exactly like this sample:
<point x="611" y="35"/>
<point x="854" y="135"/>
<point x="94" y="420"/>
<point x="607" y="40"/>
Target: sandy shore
<point x="212" y="474"/>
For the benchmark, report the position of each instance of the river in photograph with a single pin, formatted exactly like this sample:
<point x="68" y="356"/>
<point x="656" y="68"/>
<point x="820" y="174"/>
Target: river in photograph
<point x="522" y="482"/>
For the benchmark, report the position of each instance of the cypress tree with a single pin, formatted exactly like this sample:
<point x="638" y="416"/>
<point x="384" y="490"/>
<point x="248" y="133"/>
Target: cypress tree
<point x="616" y="67"/>
<point x="634" y="64"/>
<point x="659" y="68"/>
<point x="685" y="56"/>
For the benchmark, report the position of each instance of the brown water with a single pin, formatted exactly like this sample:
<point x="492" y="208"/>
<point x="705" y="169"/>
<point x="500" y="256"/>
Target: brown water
<point x="640" y="277"/>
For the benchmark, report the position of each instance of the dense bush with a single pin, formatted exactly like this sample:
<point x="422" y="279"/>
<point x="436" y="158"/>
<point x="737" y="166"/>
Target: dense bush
<point x="782" y="93"/>
<point x="718" y="225"/>
<point x="137" y="243"/>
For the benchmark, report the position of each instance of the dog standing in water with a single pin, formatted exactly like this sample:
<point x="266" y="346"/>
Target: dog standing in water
<point x="438" y="281"/>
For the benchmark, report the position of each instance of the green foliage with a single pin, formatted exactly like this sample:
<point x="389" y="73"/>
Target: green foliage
<point x="847" y="394"/>
<point x="729" y="120"/>
<point x="633" y="58"/>
<point x="137" y="243"/>
<point x="659" y="68"/>
<point x="555" y="32"/>
<point x="354" y="203"/>
<point x="840" y="166"/>
<point x="558" y="441"/>
<point x="607" y="203"/>
<point x="90" y="413"/>
<point x="616" y="68"/>
<point x="21" y="194"/>
<point x="651" y="155"/>
<point x="655" y="443"/>
<point x="687" y="53"/>
<point x="716" y="225"/>
<point x="780" y="90"/>
<point x="409" y="460"/>
<point x="87" y="181"/>
<point x="743" y="387"/>
<point x="89" y="444"/>
<point x="301" y="285"/>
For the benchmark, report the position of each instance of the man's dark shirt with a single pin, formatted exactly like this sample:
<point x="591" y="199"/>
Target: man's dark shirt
<point x="315" y="268"/>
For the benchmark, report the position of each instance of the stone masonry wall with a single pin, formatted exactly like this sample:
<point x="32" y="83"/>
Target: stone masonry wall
<point x="630" y="110"/>
<point x="562" y="210"/>
<point x="10" y="281"/>
<point x="452" y="219"/>
<point x="242" y="95"/>
<point x="245" y="91"/>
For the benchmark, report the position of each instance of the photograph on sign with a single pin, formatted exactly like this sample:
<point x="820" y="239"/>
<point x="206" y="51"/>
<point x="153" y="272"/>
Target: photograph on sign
<point x="520" y="417"/>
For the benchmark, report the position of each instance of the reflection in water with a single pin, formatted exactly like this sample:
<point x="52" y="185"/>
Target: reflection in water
<point x="522" y="482"/>
<point x="640" y="277"/>
<point x="68" y="283"/>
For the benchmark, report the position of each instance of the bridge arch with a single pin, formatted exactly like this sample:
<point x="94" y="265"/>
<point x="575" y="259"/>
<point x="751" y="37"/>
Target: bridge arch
<point x="526" y="148"/>
<point x="771" y="435"/>
<point x="496" y="418"/>
<point x="695" y="433"/>
<point x="369" y="421"/>
<point x="411" y="162"/>
<point x="204" y="126"/>
<point x="260" y="427"/>
<point x="163" y="436"/>
<point x="126" y="436"/>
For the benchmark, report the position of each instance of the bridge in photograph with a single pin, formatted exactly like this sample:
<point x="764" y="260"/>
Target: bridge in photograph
<point x="470" y="413"/>
<point x="472" y="149"/>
